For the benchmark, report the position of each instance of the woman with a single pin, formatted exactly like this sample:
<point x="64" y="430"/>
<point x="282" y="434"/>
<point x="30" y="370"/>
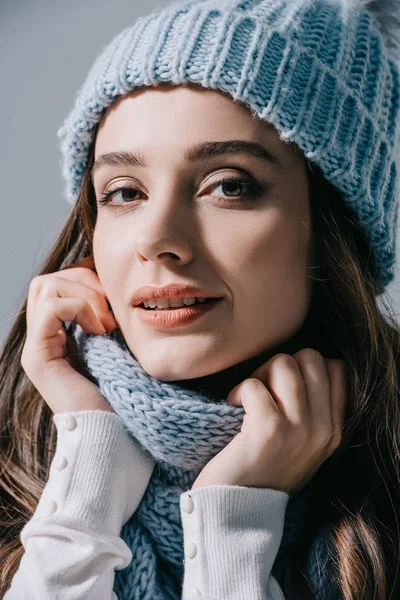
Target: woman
<point x="246" y="446"/>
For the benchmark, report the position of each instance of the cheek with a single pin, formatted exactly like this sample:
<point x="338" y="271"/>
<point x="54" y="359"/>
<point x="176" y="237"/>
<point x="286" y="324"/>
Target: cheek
<point x="109" y="259"/>
<point x="266" y="262"/>
<point x="270" y="243"/>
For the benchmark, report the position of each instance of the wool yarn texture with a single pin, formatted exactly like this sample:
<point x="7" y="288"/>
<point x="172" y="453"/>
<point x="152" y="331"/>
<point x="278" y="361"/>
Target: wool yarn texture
<point x="183" y="430"/>
<point x="324" y="73"/>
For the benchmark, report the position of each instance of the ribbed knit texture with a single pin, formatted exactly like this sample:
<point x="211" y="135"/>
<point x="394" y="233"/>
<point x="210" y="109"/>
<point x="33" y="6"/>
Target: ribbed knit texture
<point x="319" y="70"/>
<point x="91" y="507"/>
<point x="182" y="430"/>
<point x="84" y="497"/>
<point x="238" y="544"/>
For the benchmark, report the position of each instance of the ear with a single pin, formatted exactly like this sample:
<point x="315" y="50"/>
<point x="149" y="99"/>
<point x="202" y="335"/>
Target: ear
<point x="387" y="17"/>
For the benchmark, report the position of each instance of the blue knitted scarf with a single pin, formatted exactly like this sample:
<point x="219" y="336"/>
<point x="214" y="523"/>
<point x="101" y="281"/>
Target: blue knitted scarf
<point x="183" y="430"/>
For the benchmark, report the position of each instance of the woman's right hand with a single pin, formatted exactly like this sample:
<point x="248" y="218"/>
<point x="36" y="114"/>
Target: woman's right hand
<point x="72" y="294"/>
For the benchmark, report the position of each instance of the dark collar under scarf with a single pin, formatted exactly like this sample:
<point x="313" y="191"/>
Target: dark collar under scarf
<point x="218" y="385"/>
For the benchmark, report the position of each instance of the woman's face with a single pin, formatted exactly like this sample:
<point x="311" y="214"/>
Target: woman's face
<point x="181" y="225"/>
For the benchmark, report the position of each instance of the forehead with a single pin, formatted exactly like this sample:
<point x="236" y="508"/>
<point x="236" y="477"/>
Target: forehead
<point x="182" y="118"/>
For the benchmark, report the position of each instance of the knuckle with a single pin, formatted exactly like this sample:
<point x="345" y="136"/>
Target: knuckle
<point x="283" y="360"/>
<point x="42" y="285"/>
<point x="47" y="286"/>
<point x="288" y="363"/>
<point x="36" y="283"/>
<point x="83" y="275"/>
<point x="81" y="304"/>
<point x="308" y="354"/>
<point x="251" y="383"/>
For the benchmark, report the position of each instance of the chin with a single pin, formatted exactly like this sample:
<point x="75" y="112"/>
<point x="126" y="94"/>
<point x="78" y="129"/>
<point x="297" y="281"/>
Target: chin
<point x="161" y="369"/>
<point x="175" y="371"/>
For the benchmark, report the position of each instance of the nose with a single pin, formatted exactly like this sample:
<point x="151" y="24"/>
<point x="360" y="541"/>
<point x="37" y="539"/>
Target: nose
<point x="165" y="229"/>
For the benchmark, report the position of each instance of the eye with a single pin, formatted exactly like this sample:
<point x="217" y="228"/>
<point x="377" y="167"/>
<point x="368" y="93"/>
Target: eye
<point x="235" y="187"/>
<point x="230" y="185"/>
<point x="105" y="198"/>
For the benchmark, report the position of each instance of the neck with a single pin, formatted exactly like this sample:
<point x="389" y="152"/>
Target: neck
<point x="218" y="385"/>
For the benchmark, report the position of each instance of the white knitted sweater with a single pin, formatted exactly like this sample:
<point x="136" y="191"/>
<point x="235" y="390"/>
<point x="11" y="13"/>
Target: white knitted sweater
<point x="97" y="479"/>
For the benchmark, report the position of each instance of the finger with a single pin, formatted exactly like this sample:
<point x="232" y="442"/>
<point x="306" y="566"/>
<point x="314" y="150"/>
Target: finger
<point x="87" y="262"/>
<point x="316" y="380"/>
<point x="58" y="310"/>
<point x="85" y="269"/>
<point x="282" y="376"/>
<point x="253" y="396"/>
<point x="82" y="275"/>
<point x="339" y="385"/>
<point x="57" y="287"/>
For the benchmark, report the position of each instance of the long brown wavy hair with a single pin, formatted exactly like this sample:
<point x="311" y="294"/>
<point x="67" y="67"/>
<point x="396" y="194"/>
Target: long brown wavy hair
<point x="363" y="471"/>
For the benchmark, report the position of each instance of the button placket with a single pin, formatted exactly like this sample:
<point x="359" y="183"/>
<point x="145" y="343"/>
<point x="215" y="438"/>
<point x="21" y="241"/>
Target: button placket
<point x="191" y="550"/>
<point x="51" y="506"/>
<point x="60" y="462"/>
<point x="187" y="504"/>
<point x="69" y="423"/>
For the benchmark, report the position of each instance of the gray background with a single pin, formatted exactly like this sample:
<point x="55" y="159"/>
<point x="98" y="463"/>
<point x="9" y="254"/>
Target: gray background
<point x="46" y="50"/>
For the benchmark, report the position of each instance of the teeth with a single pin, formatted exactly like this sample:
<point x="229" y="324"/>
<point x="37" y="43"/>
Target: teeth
<point x="171" y="302"/>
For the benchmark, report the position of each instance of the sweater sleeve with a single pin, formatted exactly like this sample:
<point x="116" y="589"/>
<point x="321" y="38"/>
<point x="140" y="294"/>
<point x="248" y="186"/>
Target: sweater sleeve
<point x="97" y="479"/>
<point x="232" y="536"/>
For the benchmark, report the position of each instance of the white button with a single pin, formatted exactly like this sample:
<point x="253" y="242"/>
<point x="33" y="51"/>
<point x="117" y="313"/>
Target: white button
<point x="52" y="506"/>
<point x="191" y="551"/>
<point x="187" y="503"/>
<point x="60" y="462"/>
<point x="69" y="422"/>
<point x="196" y="592"/>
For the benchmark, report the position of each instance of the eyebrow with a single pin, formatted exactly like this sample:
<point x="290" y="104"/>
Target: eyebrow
<point x="201" y="151"/>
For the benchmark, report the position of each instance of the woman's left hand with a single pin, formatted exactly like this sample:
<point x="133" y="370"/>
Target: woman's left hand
<point x="295" y="409"/>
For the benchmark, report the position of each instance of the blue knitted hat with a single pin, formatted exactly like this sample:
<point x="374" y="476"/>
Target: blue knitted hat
<point x="324" y="73"/>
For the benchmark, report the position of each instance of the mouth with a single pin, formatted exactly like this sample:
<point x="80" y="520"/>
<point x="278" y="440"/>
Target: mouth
<point x="182" y="316"/>
<point x="172" y="308"/>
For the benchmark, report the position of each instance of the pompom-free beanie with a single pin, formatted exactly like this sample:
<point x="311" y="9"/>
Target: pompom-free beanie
<point x="324" y="73"/>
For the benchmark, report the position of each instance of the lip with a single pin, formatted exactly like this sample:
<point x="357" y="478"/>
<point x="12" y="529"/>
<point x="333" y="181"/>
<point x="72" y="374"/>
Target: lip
<point x="173" y="290"/>
<point x="178" y="317"/>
